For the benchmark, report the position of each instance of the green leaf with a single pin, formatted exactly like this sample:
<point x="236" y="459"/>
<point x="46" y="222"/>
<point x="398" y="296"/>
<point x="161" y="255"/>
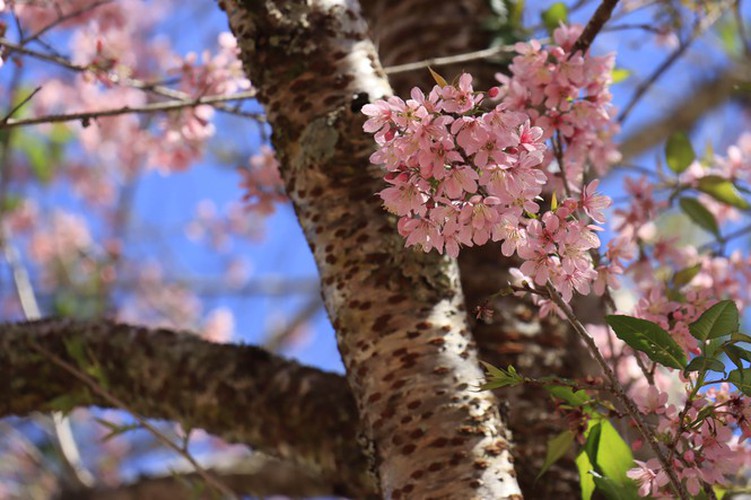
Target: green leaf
<point x="586" y="481"/>
<point x="614" y="491"/>
<point x="557" y="447"/>
<point x="685" y="275"/>
<point x="723" y="190"/>
<point x="64" y="403"/>
<point x="497" y="377"/>
<point x="554" y="16"/>
<point x="740" y="337"/>
<point x="727" y="31"/>
<point x="648" y="338"/>
<point x="516" y="13"/>
<point x="568" y="395"/>
<point x="614" y="456"/>
<point x="736" y="354"/>
<point x="719" y="320"/>
<point x="679" y="153"/>
<point x="700" y="215"/>
<point x="741" y="379"/>
<point x="702" y="364"/>
<point x="116" y="429"/>
<point x="592" y="445"/>
<point x="37" y="155"/>
<point x="619" y="74"/>
<point x="10" y="203"/>
<point x="609" y="458"/>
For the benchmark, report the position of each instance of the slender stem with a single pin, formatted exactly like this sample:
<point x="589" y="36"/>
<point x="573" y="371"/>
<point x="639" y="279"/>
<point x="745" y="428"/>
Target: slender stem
<point x="147" y="108"/>
<point x="593" y="27"/>
<point x="620" y="393"/>
<point x="153" y="88"/>
<point x="700" y="27"/>
<point x="20" y="105"/>
<point x="62" y="18"/>
<point x="445" y="61"/>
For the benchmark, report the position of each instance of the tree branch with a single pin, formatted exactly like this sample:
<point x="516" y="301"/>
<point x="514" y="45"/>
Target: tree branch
<point x="398" y="314"/>
<point x="687" y="112"/>
<point x="153" y="107"/>
<point x="257" y="476"/>
<point x="239" y="393"/>
<point x="593" y="27"/>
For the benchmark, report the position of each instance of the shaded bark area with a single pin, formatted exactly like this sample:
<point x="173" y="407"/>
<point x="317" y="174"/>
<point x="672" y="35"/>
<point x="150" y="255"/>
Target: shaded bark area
<point x="258" y="476"/>
<point x="414" y="30"/>
<point x="399" y="314"/>
<point x="239" y="393"/>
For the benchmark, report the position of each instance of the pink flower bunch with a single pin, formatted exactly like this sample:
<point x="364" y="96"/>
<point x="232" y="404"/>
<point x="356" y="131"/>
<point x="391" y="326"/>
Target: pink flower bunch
<point x="220" y="73"/>
<point x="219" y="228"/>
<point x="461" y="176"/>
<point x="703" y="450"/>
<point x="262" y="182"/>
<point x="565" y="94"/>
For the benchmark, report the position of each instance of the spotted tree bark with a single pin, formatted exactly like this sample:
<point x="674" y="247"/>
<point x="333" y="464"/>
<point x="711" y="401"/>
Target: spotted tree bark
<point x="242" y="394"/>
<point x="398" y="314"/>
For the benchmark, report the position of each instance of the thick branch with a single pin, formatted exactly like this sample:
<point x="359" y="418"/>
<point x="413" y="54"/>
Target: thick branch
<point x="257" y="476"/>
<point x="398" y="314"/>
<point x="687" y="112"/>
<point x="239" y="393"/>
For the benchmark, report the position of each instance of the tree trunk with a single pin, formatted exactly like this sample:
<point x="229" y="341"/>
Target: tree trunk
<point x="398" y="314"/>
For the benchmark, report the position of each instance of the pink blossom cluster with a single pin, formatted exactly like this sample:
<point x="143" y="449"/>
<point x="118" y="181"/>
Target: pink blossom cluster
<point x="662" y="256"/>
<point x="262" y="182"/>
<point x="703" y="450"/>
<point x="461" y="176"/>
<point x="113" y="41"/>
<point x="213" y="74"/>
<point x="566" y="95"/>
<point x="218" y="229"/>
<point x="706" y="431"/>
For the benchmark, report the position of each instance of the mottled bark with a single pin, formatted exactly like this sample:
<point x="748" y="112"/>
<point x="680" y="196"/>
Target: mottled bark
<point x="515" y="336"/>
<point x="239" y="393"/>
<point x="398" y="314"/>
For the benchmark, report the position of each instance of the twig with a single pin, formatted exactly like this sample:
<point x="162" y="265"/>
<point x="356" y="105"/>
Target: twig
<point x="593" y="27"/>
<point x="147" y="108"/>
<point x="619" y="392"/>
<point x="722" y="240"/>
<point x="154" y="88"/>
<point x="20" y="105"/>
<point x="445" y="61"/>
<point x="279" y="337"/>
<point x="62" y="18"/>
<point x="115" y="401"/>
<point x="700" y="27"/>
<point x="656" y="74"/>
